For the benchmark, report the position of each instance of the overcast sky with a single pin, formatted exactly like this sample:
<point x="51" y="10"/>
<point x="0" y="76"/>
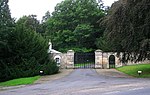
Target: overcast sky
<point x="19" y="8"/>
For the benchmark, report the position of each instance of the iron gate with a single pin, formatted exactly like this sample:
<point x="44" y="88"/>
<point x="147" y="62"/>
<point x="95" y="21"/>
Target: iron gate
<point x="84" y="60"/>
<point x="111" y="61"/>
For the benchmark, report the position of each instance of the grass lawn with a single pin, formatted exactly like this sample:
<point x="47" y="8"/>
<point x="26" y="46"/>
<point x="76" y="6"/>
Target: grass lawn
<point x="20" y="81"/>
<point x="82" y="64"/>
<point x="133" y="69"/>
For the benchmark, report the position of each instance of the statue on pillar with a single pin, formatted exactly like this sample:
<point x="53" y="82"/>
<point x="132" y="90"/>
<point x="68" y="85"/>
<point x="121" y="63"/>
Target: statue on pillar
<point x="50" y="45"/>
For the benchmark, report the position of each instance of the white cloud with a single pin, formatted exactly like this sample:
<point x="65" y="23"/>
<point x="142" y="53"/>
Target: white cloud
<point x="108" y="2"/>
<point x="26" y="7"/>
<point x="37" y="7"/>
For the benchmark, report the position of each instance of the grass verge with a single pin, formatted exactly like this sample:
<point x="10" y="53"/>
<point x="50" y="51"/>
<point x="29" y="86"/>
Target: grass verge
<point x="133" y="69"/>
<point x="20" y="81"/>
<point x="83" y="64"/>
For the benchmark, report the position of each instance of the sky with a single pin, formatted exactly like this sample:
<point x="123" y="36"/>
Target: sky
<point x="19" y="8"/>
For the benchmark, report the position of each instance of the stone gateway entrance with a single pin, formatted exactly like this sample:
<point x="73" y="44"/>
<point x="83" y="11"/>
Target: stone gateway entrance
<point x="84" y="60"/>
<point x="98" y="59"/>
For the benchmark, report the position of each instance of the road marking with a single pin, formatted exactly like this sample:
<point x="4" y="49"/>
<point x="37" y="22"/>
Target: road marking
<point x="136" y="88"/>
<point x="114" y="92"/>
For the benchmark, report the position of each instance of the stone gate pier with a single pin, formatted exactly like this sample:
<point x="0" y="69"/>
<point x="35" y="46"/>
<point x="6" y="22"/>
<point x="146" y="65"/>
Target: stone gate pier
<point x="70" y="59"/>
<point x="103" y="60"/>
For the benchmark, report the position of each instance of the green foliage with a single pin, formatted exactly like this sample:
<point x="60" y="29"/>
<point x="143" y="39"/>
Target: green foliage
<point x="27" y="56"/>
<point x="23" y="52"/>
<point x="46" y="17"/>
<point x="127" y="27"/>
<point x="133" y="70"/>
<point x="5" y="16"/>
<point x="20" y="81"/>
<point x="76" y="49"/>
<point x="102" y="44"/>
<point x="30" y="22"/>
<point x="73" y="24"/>
<point x="6" y="23"/>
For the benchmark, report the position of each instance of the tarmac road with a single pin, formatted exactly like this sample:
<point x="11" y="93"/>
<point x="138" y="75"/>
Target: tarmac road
<point x="86" y="82"/>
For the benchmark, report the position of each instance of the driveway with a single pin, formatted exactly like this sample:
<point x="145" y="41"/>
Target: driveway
<point x="87" y="82"/>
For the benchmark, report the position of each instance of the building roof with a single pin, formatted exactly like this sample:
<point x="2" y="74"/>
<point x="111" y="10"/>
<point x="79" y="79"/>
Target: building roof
<point x="53" y="51"/>
<point x="50" y="50"/>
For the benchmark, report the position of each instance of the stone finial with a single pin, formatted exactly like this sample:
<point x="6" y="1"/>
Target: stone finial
<point x="99" y="50"/>
<point x="70" y="51"/>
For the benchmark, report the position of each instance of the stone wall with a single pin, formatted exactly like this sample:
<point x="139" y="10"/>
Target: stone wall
<point x="66" y="59"/>
<point x="101" y="59"/>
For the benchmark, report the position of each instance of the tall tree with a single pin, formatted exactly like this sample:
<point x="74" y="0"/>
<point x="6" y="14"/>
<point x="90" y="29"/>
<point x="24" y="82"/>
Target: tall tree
<point x="29" y="22"/>
<point x="6" y="27"/>
<point x="27" y="56"/>
<point x="128" y="25"/>
<point x="23" y="52"/>
<point x="73" y="24"/>
<point x="46" y="17"/>
<point x="6" y="22"/>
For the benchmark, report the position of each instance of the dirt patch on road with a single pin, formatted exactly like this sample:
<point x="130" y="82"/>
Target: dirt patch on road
<point x="61" y="74"/>
<point x="112" y="73"/>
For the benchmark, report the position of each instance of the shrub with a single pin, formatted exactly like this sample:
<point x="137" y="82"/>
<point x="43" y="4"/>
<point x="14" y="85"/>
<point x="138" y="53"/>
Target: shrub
<point x="26" y="55"/>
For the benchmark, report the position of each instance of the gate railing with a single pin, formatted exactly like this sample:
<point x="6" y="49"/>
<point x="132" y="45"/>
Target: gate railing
<point x="84" y="60"/>
<point x="96" y="60"/>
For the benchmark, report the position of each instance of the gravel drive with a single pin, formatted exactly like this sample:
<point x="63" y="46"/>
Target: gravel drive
<point x="86" y="82"/>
